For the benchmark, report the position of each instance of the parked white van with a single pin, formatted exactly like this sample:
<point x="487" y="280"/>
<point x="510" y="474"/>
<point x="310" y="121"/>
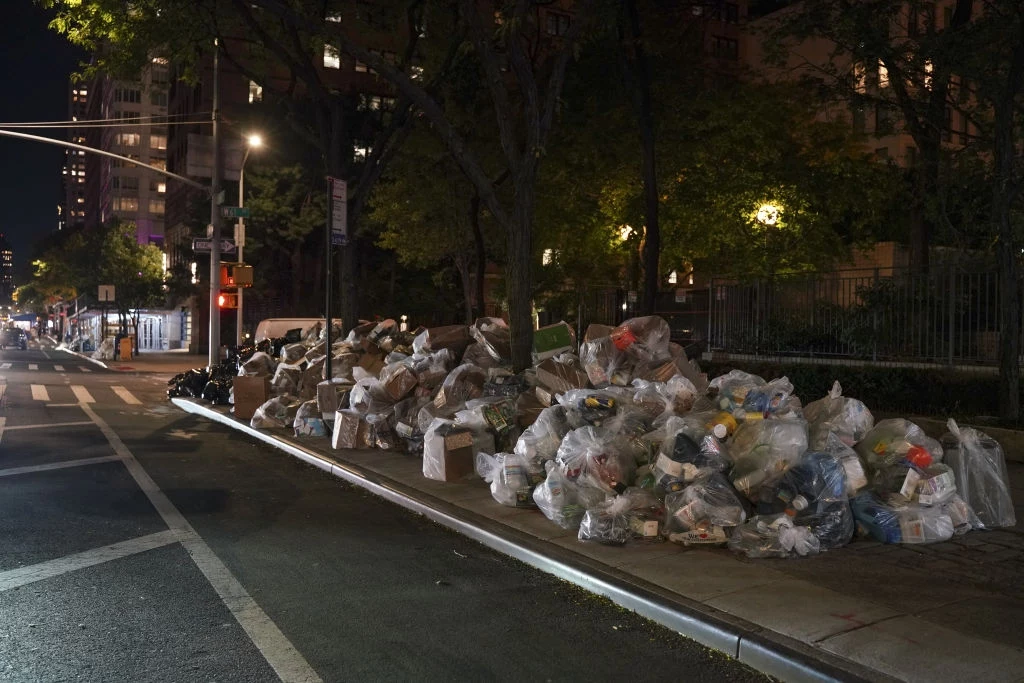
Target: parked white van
<point x="271" y="328"/>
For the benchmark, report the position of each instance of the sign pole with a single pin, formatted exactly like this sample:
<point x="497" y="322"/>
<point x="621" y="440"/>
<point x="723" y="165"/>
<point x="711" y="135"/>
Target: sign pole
<point x="214" y="352"/>
<point x="328" y="275"/>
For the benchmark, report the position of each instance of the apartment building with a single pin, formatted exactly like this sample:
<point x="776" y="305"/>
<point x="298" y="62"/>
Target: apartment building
<point x="72" y="210"/>
<point x="135" y="126"/>
<point x="6" y="271"/>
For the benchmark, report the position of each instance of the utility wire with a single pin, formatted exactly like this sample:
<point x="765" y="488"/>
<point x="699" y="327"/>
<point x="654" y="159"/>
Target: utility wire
<point x="84" y="122"/>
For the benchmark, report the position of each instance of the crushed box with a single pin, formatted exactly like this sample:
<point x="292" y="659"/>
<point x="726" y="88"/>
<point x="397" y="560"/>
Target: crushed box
<point x="250" y="393"/>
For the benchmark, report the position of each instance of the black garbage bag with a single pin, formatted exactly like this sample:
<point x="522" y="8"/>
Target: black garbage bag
<point x="217" y="391"/>
<point x="190" y="383"/>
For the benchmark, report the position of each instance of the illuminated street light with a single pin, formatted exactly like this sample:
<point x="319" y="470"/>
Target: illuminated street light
<point x="253" y="141"/>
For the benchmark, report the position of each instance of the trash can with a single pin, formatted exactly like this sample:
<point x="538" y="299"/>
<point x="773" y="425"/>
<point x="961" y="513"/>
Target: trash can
<point x="124" y="348"/>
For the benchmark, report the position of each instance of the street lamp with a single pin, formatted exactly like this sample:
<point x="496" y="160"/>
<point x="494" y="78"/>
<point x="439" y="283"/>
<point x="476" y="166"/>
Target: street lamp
<point x="252" y="142"/>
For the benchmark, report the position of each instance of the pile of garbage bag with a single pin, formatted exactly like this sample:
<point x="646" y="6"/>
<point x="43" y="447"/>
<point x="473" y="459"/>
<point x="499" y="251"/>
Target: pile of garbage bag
<point x="623" y="439"/>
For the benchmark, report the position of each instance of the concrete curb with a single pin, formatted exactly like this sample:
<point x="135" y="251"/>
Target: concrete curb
<point x="766" y="651"/>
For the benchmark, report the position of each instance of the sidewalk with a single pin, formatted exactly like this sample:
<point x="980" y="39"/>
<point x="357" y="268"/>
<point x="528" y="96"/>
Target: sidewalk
<point x="866" y="611"/>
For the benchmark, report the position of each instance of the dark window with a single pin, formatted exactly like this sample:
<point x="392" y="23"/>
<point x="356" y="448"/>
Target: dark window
<point x="859" y="119"/>
<point x="725" y="48"/>
<point x="883" y="122"/>
<point x="557" y="24"/>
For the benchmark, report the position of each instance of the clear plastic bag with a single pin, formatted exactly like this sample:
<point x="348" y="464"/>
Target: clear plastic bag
<point x="979" y="466"/>
<point x="260" y="364"/>
<point x="589" y="452"/>
<point x="307" y="420"/>
<point x="891" y="441"/>
<point x="731" y="389"/>
<point x="279" y="412"/>
<point x="286" y="379"/>
<point x="607" y="522"/>
<point x="856" y="478"/>
<point x="562" y="500"/>
<point x="494" y="336"/>
<point x="768" y="399"/>
<point x="368" y="396"/>
<point x="512" y="478"/>
<point x="661" y="400"/>
<point x="813" y="492"/>
<point x="763" y="450"/>
<point x="847" y="418"/>
<point x="541" y="440"/>
<point x="700" y="513"/>
<point x="589" y="407"/>
<point x="683" y="458"/>
<point x="773" y="536"/>
<point x="889" y="521"/>
<point x="293" y="353"/>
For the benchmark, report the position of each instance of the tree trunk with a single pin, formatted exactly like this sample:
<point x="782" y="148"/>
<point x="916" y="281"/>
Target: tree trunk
<point x="519" y="269"/>
<point x="481" y="255"/>
<point x="462" y="266"/>
<point x="640" y="80"/>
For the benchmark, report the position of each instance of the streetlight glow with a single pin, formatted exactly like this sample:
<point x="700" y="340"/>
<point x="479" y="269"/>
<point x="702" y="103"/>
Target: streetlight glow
<point x="255" y="140"/>
<point x="768" y="214"/>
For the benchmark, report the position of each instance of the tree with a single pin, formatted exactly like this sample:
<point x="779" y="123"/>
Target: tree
<point x="890" y="57"/>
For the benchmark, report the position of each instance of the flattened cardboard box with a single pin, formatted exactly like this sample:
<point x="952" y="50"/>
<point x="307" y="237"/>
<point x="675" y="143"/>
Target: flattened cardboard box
<point x="561" y="377"/>
<point x="250" y="393"/>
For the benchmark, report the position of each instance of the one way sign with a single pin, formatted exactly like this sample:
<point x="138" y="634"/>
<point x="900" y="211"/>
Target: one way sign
<point x="204" y="245"/>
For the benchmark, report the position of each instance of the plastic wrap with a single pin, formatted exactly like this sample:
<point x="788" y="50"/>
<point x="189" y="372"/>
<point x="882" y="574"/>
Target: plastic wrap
<point x="856" y="478"/>
<point x="589" y="407"/>
<point x="463" y="383"/>
<point x="278" y="412"/>
<point x="661" y="400"/>
<point x="495" y="338"/>
<point x="307" y="420"/>
<point x="454" y="338"/>
<point x="260" y="364"/>
<point x="607" y="522"/>
<point x="368" y="396"/>
<point x="432" y="368"/>
<point x="397" y="380"/>
<point x="847" y="418"/>
<point x="286" y="379"/>
<point x="311" y="376"/>
<point x="562" y="500"/>
<point x="293" y="353"/>
<point x="591" y="453"/>
<point x="763" y="450"/>
<point x="768" y="399"/>
<point x="700" y="513"/>
<point x="683" y="458"/>
<point x="979" y="467"/>
<point x="773" y="536"/>
<point x="433" y="449"/>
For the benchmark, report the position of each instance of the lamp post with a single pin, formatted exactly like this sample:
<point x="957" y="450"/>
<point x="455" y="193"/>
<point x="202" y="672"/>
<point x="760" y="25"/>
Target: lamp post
<point x="252" y="142"/>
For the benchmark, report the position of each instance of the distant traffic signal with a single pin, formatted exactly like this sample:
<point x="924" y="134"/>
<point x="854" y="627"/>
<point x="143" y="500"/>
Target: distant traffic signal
<point x="227" y="300"/>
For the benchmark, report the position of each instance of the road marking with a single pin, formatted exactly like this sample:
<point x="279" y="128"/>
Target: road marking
<point x="3" y="422"/>
<point x="45" y="354"/>
<point x="33" y="366"/>
<point x="58" y="368"/>
<point x="10" y="472"/>
<point x="3" y="389"/>
<point x="15" y="578"/>
<point x="287" y="662"/>
<point x="5" y="366"/>
<point x="85" y="369"/>
<point x="126" y="395"/>
<point x="52" y="425"/>
<point x="82" y="394"/>
<point x="39" y="393"/>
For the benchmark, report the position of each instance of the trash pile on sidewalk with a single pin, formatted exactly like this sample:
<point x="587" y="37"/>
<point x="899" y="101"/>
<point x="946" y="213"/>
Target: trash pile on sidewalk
<point x="622" y="438"/>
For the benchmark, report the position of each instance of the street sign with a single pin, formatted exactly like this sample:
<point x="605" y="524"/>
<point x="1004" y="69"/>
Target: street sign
<point x="234" y="211"/>
<point x="205" y="245"/>
<point x="339" y="212"/>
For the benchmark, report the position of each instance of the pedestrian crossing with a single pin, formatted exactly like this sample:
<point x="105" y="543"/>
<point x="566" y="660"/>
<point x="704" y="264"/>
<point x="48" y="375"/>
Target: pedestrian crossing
<point x="35" y="367"/>
<point x="64" y="394"/>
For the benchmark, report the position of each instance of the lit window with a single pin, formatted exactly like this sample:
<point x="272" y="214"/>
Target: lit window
<point x="362" y="68"/>
<point x="332" y="59"/>
<point x="336" y="18"/>
<point x="859" y="78"/>
<point x="80" y="200"/>
<point x="129" y="139"/>
<point x="547" y="257"/>
<point x="255" y="92"/>
<point x="158" y="163"/>
<point x="158" y="142"/>
<point x="360" y="152"/>
<point x="126" y="204"/>
<point x="883" y="75"/>
<point x="673" y="277"/>
<point x="928" y="68"/>
<point x="156" y="206"/>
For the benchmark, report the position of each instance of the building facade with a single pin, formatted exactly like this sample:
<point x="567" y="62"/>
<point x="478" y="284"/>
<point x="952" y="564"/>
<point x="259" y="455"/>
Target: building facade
<point x="6" y="272"/>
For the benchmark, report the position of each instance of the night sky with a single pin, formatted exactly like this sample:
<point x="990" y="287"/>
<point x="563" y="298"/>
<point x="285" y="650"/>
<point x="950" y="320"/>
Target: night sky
<point x="36" y="63"/>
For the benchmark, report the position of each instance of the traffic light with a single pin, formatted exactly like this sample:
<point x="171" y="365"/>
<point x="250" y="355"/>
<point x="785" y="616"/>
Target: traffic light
<point x="227" y="300"/>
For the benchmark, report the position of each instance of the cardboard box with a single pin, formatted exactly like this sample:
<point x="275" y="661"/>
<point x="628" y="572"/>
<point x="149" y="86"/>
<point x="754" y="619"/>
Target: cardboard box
<point x="250" y="393"/>
<point x="458" y="454"/>
<point x="332" y="396"/>
<point x="452" y="337"/>
<point x="350" y="430"/>
<point x="561" y="377"/>
<point x="597" y="331"/>
<point x="552" y="340"/>
<point x="371" y="362"/>
<point x="399" y="383"/>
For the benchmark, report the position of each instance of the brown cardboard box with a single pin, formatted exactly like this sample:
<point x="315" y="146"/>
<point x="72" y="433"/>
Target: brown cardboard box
<point x="399" y="383"/>
<point x="350" y="430"/>
<point x="453" y="337"/>
<point x="371" y="362"/>
<point x="250" y="393"/>
<point x="458" y="454"/>
<point x="528" y="409"/>
<point x="596" y="331"/>
<point x="561" y="377"/>
<point x="331" y="397"/>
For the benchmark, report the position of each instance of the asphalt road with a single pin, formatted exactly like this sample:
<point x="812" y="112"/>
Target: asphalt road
<point x="139" y="543"/>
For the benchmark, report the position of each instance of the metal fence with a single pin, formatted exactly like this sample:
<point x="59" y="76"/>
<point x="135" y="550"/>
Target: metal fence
<point x="946" y="316"/>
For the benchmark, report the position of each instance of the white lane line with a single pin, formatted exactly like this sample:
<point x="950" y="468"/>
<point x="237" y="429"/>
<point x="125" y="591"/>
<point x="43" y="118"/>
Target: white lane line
<point x="45" y="354"/>
<point x="15" y="578"/>
<point x="52" y="425"/>
<point x="126" y="395"/>
<point x="33" y="366"/>
<point x="39" y="393"/>
<point x="12" y="471"/>
<point x="3" y="389"/>
<point x="82" y="394"/>
<point x="85" y="369"/>
<point x="5" y="366"/>
<point x="58" y="368"/>
<point x="287" y="662"/>
<point x="3" y="423"/>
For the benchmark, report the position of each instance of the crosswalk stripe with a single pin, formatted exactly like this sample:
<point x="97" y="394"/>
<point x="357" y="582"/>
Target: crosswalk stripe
<point x="126" y="396"/>
<point x="58" y="368"/>
<point x="33" y="366"/>
<point x="5" y="366"/>
<point x="82" y="394"/>
<point x="39" y="393"/>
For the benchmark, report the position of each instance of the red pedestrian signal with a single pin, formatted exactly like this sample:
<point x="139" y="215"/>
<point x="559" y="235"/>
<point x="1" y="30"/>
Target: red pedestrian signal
<point x="227" y="300"/>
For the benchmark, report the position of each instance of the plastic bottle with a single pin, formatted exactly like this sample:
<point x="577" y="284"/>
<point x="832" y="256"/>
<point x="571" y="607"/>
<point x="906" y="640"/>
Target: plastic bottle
<point x="876" y="519"/>
<point x="724" y="419"/>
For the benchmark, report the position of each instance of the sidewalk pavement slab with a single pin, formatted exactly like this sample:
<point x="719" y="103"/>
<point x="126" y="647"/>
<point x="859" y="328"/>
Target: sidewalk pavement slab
<point x="866" y="611"/>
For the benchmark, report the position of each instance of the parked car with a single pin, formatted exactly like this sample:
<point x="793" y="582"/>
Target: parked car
<point x="13" y="338"/>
